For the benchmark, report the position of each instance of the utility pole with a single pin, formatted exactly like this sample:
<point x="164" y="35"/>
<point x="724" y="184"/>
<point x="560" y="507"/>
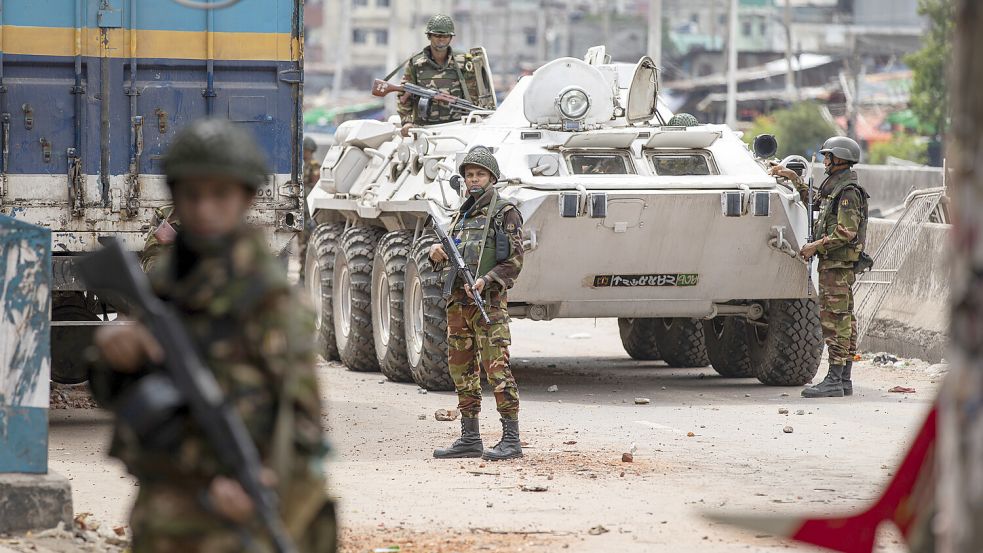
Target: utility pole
<point x="396" y="25"/>
<point x="655" y="31"/>
<point x="731" y="118"/>
<point x="344" y="38"/>
<point x="790" y="73"/>
<point x="606" y="21"/>
<point x="541" y="22"/>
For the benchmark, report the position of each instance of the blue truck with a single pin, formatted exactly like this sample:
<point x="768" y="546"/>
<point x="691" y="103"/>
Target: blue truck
<point x="91" y="94"/>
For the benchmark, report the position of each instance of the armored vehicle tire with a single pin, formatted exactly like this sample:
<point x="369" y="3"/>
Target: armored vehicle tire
<point x="318" y="277"/>
<point x="680" y="341"/>
<point x="785" y="349"/>
<point x="352" y="298"/>
<point x="638" y="338"/>
<point x="727" y="346"/>
<point x="388" y="332"/>
<point x="426" y="320"/>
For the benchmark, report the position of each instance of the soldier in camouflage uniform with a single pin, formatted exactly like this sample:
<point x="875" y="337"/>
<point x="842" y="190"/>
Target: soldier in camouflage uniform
<point x="312" y="174"/>
<point x="840" y="233"/>
<point x="255" y="332"/>
<point x="162" y="233"/>
<point x="437" y="67"/>
<point x="488" y="231"/>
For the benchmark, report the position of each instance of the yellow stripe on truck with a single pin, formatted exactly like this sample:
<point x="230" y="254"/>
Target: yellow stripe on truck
<point x="190" y="45"/>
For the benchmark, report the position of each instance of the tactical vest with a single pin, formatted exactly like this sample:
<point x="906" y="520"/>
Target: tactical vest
<point x="829" y="211"/>
<point x="478" y="237"/>
<point x="455" y="78"/>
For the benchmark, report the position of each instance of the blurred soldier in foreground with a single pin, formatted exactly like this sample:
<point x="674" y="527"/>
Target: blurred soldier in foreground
<point x="437" y="67"/>
<point x="489" y="235"/>
<point x="840" y="233"/>
<point x="256" y="336"/>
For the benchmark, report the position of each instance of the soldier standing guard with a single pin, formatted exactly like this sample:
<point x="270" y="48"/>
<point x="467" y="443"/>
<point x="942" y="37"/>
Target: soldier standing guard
<point x="312" y="174"/>
<point x="254" y="332"/>
<point x="840" y="233"/>
<point x="489" y="233"/>
<point x="437" y="67"/>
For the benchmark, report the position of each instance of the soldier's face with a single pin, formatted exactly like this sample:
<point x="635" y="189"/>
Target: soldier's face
<point x="308" y="155"/>
<point x="477" y="178"/>
<point x="440" y="42"/>
<point x="211" y="207"/>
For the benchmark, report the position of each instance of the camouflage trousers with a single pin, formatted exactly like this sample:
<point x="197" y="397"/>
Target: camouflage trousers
<point x="170" y="516"/>
<point x="836" y="313"/>
<point x="474" y="346"/>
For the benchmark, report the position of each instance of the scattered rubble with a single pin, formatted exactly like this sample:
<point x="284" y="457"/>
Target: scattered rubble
<point x="553" y="388"/>
<point x="627" y="457"/>
<point x="598" y="530"/>
<point x="642" y="401"/>
<point x="536" y="488"/>
<point x="902" y="390"/>
<point x="690" y="434"/>
<point x="447" y="414"/>
<point x="788" y="430"/>
<point x="885" y="359"/>
<point x="421" y="390"/>
<point x="800" y="412"/>
<point x="422" y="417"/>
<point x="71" y="396"/>
<point x="782" y="411"/>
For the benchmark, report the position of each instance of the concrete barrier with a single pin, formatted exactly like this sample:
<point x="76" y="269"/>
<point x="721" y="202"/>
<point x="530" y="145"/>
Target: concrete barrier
<point x="887" y="185"/>
<point x="914" y="318"/>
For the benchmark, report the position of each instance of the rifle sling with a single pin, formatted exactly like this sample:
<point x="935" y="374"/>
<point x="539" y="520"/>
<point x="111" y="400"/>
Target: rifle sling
<point x="398" y="67"/>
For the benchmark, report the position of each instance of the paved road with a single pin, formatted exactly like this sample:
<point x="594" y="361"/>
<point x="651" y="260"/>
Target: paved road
<point x="392" y="492"/>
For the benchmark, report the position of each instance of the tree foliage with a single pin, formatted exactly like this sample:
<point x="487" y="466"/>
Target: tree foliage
<point x="929" y="88"/>
<point x="800" y="129"/>
<point x="901" y="146"/>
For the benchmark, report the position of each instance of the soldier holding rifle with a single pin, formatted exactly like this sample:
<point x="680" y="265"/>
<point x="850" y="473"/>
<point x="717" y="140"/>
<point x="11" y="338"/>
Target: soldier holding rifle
<point x="487" y="232"/>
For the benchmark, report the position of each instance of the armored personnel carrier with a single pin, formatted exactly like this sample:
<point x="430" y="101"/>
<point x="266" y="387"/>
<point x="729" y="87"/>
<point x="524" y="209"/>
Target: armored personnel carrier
<point x="678" y="232"/>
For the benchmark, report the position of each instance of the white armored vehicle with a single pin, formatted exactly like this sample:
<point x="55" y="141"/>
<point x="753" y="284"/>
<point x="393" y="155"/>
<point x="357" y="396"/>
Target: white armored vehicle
<point x="678" y="232"/>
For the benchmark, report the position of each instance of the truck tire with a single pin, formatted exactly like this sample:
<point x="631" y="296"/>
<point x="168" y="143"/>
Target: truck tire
<point x="426" y="320"/>
<point x="680" y="341"/>
<point x="352" y="298"/>
<point x="318" y="277"/>
<point x="786" y="347"/>
<point x="388" y="332"/>
<point x="727" y="346"/>
<point x="68" y="365"/>
<point x="638" y="338"/>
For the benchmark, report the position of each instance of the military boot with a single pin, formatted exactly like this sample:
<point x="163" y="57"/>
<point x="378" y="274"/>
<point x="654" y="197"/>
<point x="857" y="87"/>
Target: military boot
<point x="831" y="386"/>
<point x="468" y="445"/>
<point x="847" y="383"/>
<point x="509" y="447"/>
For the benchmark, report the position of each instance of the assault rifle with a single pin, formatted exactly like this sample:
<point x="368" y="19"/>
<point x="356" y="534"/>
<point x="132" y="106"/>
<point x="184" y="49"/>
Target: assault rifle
<point x="458" y="266"/>
<point x="427" y="96"/>
<point x="187" y="380"/>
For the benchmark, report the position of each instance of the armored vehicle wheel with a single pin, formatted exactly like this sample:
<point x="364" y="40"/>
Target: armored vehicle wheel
<point x="785" y="348"/>
<point x="638" y="338"/>
<point x="318" y="276"/>
<point x="727" y="346"/>
<point x="388" y="271"/>
<point x="352" y="298"/>
<point x="426" y="320"/>
<point x="681" y="343"/>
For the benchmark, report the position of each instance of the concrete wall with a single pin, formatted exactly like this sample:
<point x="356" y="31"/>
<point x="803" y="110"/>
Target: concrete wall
<point x="914" y="319"/>
<point x="888" y="186"/>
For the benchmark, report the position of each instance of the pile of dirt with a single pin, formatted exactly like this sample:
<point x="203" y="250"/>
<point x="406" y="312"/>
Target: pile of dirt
<point x="71" y="396"/>
<point x="86" y="534"/>
<point x="491" y="540"/>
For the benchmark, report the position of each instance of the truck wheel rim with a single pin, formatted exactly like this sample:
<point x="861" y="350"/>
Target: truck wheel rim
<point x="415" y="322"/>
<point x="383" y="309"/>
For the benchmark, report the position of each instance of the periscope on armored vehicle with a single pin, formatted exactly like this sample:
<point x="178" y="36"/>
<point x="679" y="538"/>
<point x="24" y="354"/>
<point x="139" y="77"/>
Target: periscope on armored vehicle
<point x="675" y="230"/>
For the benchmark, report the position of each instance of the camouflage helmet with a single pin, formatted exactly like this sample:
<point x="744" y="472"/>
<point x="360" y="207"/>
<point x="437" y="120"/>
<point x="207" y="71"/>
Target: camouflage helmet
<point x="440" y="24"/>
<point x="215" y="147"/>
<point x="309" y="144"/>
<point x="842" y="147"/>
<point x="683" y="120"/>
<point x="482" y="157"/>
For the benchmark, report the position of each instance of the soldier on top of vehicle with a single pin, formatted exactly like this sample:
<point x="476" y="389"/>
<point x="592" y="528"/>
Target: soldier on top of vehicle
<point x="437" y="67"/>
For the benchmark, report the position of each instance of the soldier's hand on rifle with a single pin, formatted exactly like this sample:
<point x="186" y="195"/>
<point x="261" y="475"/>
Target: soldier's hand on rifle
<point x="437" y="253"/>
<point x="127" y="347"/>
<point x="479" y="286"/>
<point x="231" y="501"/>
<point x="405" y="131"/>
<point x="809" y="249"/>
